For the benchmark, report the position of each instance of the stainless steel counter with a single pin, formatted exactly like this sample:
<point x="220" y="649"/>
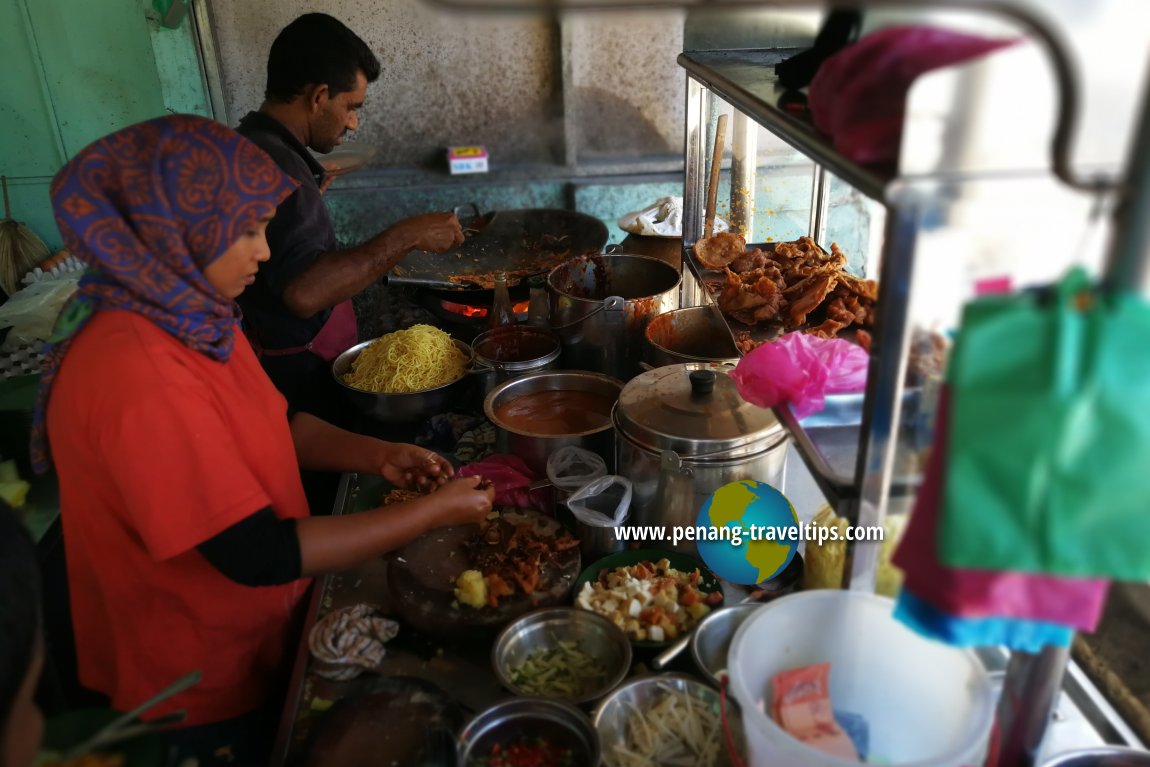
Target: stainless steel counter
<point x="462" y="667"/>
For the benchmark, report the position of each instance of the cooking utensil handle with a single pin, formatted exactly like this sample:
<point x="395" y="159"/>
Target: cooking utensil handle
<point x="716" y="169"/>
<point x="174" y="688"/>
<point x="664" y="658"/>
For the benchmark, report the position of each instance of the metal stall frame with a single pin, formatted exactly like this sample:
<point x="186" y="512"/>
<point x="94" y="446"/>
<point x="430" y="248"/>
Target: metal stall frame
<point x="745" y="81"/>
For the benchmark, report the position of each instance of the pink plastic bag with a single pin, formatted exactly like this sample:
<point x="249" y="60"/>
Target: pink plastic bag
<point x="858" y="96"/>
<point x="511" y="477"/>
<point x="800" y="369"/>
<point x="1075" y="602"/>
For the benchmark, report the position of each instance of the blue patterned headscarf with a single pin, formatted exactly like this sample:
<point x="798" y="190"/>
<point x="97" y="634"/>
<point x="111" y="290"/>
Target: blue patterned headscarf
<point x="148" y="208"/>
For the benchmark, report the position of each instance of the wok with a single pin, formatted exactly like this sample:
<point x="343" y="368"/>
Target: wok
<point x="520" y="242"/>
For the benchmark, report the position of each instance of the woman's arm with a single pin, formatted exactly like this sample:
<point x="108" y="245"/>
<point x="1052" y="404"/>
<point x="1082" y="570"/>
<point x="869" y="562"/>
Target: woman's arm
<point x="331" y="544"/>
<point x="322" y="447"/>
<point x="262" y="550"/>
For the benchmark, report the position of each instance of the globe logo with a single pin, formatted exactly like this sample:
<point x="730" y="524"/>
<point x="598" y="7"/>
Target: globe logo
<point x="753" y="532"/>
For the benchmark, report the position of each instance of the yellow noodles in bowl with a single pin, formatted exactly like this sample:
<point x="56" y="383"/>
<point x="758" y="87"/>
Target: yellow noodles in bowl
<point x="419" y="358"/>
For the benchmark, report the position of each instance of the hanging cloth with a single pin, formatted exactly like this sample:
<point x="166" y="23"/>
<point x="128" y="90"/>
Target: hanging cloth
<point x="1049" y="447"/>
<point x="983" y="593"/>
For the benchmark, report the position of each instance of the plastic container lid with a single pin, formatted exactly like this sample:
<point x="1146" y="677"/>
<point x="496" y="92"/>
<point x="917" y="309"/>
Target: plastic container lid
<point x="696" y="411"/>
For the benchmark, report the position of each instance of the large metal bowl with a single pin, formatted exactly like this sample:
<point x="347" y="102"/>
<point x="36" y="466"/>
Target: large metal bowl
<point x="404" y="407"/>
<point x="712" y="637"/>
<point x="602" y="641"/>
<point x="642" y="694"/>
<point x="561" y="724"/>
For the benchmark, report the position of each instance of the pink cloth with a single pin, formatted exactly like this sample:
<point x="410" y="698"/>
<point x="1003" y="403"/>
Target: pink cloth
<point x="511" y="477"/>
<point x="1075" y="602"/>
<point x="858" y="96"/>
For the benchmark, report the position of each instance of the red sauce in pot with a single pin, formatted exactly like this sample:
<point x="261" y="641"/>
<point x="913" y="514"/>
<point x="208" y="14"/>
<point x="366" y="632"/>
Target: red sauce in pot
<point x="558" y="412"/>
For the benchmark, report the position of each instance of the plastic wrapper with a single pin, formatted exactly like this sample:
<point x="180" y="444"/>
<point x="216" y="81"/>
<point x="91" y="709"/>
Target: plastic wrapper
<point x="511" y="477"/>
<point x="823" y="564"/>
<point x="800" y="370"/>
<point x="602" y="502"/>
<point x="662" y="219"/>
<point x="571" y="467"/>
<point x="858" y="96"/>
<point x="32" y="312"/>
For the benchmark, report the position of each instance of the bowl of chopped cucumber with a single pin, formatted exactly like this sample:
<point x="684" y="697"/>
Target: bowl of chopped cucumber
<point x="561" y="653"/>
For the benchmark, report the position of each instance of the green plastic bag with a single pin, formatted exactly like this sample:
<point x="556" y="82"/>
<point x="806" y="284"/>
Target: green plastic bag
<point x="1049" y="453"/>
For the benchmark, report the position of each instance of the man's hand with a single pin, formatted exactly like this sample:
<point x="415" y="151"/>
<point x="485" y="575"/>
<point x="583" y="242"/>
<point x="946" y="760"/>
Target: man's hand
<point x="433" y="232"/>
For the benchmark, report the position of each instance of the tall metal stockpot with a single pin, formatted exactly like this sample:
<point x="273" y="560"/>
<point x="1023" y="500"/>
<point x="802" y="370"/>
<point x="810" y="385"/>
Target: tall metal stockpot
<point x="682" y="432"/>
<point x="600" y="306"/>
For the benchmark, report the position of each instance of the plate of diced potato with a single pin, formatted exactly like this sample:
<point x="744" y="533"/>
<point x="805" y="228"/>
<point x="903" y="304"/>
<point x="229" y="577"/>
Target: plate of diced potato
<point x="653" y="595"/>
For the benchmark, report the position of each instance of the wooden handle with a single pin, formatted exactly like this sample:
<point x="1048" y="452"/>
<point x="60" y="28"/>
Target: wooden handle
<point x="4" y="184"/>
<point x="716" y="167"/>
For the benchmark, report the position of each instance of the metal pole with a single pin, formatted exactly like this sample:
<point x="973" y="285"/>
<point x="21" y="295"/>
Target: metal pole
<point x="1126" y="263"/>
<point x="1029" y="695"/>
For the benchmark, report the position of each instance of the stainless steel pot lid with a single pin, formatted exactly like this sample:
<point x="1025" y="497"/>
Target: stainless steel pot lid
<point x="695" y="411"/>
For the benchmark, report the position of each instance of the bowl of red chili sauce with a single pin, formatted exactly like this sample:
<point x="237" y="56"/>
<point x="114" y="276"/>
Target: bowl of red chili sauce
<point x="529" y="732"/>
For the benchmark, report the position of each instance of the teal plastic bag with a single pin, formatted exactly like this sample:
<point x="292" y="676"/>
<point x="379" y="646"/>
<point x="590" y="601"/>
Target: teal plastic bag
<point x="1049" y="452"/>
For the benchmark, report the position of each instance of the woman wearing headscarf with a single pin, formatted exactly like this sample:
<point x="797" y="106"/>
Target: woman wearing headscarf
<point x="187" y="533"/>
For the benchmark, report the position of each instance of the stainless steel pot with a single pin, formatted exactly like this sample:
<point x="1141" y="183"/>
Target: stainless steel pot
<point x="682" y="432"/>
<point x="600" y="306"/>
<point x="534" y="446"/>
<point x="694" y="334"/>
<point x="514" y="351"/>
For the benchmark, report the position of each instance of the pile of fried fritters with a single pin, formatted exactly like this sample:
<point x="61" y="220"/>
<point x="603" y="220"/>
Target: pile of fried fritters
<point x="797" y="285"/>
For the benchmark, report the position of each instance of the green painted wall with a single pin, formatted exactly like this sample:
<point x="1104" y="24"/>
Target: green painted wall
<point x="73" y="71"/>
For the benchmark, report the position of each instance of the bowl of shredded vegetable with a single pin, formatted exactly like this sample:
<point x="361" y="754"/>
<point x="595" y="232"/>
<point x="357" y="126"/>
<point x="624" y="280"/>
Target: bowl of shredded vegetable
<point x="405" y="376"/>
<point x="534" y="732"/>
<point x="561" y="653"/>
<point x="668" y="720"/>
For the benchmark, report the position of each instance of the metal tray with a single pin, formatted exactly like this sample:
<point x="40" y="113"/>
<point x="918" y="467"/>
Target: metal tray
<point x="829" y="442"/>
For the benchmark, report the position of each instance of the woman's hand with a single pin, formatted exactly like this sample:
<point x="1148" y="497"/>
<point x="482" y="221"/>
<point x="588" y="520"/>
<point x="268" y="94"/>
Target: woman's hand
<point x="461" y="501"/>
<point x="414" y="468"/>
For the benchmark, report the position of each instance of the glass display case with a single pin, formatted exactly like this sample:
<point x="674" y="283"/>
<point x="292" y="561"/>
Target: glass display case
<point x="988" y="201"/>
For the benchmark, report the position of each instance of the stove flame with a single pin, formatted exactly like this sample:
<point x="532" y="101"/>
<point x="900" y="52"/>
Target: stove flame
<point x="468" y="311"/>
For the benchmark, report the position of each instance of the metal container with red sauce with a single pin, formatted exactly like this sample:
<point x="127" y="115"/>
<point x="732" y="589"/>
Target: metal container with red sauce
<point x="541" y="412"/>
<point x="694" y="334"/>
<point x="512" y="351"/>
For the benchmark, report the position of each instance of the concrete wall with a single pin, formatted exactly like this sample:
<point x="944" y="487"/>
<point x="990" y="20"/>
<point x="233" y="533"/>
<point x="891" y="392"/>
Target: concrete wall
<point x="73" y="71"/>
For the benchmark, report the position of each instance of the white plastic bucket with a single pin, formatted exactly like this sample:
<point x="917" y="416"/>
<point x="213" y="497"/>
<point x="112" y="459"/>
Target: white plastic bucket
<point x="927" y="704"/>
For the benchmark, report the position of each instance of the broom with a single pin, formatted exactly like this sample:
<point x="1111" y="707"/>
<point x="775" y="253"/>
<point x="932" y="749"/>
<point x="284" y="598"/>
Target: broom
<point x="20" y="249"/>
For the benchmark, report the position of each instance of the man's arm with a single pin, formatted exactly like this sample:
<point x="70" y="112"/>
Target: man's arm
<point x="339" y="275"/>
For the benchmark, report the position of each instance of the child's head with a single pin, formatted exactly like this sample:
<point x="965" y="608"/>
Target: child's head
<point x="21" y="648"/>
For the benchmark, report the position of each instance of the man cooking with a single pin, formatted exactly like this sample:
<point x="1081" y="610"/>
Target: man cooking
<point x="298" y="312"/>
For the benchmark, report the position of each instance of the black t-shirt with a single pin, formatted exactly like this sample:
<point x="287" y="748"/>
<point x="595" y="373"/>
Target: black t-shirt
<point x="300" y="232"/>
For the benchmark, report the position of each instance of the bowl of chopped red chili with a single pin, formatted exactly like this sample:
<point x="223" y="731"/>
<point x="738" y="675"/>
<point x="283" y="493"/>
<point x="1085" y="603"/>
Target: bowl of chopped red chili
<point x="529" y="732"/>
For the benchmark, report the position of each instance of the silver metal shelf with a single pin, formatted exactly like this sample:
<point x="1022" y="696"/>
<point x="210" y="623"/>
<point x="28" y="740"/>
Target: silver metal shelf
<point x="746" y="80"/>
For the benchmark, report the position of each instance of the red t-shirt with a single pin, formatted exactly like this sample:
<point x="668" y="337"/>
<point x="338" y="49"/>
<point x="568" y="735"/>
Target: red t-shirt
<point x="158" y="448"/>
